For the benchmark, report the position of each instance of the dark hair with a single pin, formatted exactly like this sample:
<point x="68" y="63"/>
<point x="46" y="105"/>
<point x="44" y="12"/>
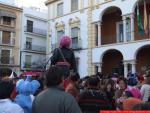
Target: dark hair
<point x="54" y="76"/>
<point x="74" y="77"/>
<point x="123" y="79"/>
<point x="6" y="88"/>
<point x="112" y="83"/>
<point x="93" y="81"/>
<point x="141" y="106"/>
<point x="5" y="72"/>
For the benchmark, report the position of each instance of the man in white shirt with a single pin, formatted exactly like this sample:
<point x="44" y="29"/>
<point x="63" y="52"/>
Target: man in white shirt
<point x="7" y="106"/>
<point x="6" y="88"/>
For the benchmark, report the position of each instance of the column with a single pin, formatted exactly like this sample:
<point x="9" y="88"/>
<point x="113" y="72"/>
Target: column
<point x="133" y="63"/>
<point x="132" y="27"/>
<point x="81" y="4"/>
<point x="99" y="33"/>
<point x="125" y="69"/>
<point x="12" y="38"/>
<point x="124" y="29"/>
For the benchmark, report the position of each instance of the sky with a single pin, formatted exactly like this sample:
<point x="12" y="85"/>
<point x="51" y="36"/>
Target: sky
<point x="31" y="3"/>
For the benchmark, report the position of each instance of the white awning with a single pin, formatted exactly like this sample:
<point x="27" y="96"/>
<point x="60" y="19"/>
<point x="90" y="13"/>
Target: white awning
<point x="7" y="13"/>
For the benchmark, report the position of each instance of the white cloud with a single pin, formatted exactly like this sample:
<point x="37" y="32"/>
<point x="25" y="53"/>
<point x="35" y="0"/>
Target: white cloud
<point x="31" y="3"/>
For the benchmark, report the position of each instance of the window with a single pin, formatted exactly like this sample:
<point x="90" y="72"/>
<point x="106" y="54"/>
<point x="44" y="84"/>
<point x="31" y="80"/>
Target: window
<point x="6" y="37"/>
<point x="74" y="5"/>
<point x="60" y="9"/>
<point x="28" y="43"/>
<point x="29" y="26"/>
<point x="96" y="30"/>
<point x="128" y="30"/>
<point x="59" y="35"/>
<point x="5" y="56"/>
<point x="120" y="36"/>
<point x="28" y="59"/>
<point x="74" y="35"/>
<point x="7" y="20"/>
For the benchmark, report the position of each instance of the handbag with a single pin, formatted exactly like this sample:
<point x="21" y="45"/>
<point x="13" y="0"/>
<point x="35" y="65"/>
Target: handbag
<point x="64" y="62"/>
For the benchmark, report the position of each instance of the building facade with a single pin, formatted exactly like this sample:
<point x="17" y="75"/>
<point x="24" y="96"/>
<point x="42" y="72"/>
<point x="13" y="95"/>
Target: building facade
<point x="33" y="41"/>
<point x="106" y="32"/>
<point x="10" y="33"/>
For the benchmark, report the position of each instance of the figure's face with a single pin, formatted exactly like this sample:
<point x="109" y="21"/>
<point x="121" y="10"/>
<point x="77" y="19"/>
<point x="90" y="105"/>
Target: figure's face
<point x="122" y="85"/>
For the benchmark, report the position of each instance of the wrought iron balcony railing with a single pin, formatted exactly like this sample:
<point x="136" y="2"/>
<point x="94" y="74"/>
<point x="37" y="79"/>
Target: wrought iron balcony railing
<point x="74" y="46"/>
<point x="34" y="48"/>
<point x="35" y="30"/>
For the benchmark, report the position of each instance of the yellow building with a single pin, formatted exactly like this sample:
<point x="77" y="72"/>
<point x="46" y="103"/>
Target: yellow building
<point x="10" y="35"/>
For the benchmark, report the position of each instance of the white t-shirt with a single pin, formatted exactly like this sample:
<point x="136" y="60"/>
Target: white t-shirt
<point x="7" y="106"/>
<point x="145" y="91"/>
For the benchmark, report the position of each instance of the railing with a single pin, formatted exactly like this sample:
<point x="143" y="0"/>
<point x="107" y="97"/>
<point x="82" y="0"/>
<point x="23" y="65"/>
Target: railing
<point x="74" y="46"/>
<point x="35" y="30"/>
<point x="34" y="48"/>
<point x="7" y="60"/>
<point x="10" y="42"/>
<point x="116" y="38"/>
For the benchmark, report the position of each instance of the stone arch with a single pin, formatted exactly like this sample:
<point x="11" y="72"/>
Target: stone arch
<point x="112" y="61"/>
<point x="106" y="9"/>
<point x="138" y="49"/>
<point x="142" y="56"/>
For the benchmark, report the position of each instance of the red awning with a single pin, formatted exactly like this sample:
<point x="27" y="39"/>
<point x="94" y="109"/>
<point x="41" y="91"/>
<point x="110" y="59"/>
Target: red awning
<point x="31" y="73"/>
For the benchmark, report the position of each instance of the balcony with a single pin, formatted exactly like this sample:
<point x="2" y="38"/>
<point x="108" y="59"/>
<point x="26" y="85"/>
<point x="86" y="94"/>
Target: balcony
<point x="74" y="46"/>
<point x="6" y="60"/>
<point x="35" y="48"/>
<point x="34" y="66"/>
<point x="36" y="31"/>
<point x="10" y="42"/>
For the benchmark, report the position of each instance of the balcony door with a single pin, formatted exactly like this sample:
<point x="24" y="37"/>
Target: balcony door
<point x="75" y="35"/>
<point x="120" y="36"/>
<point x="128" y="30"/>
<point x="29" y="26"/>
<point x="28" y="59"/>
<point x="5" y="56"/>
<point x="6" y="37"/>
<point x="29" y="43"/>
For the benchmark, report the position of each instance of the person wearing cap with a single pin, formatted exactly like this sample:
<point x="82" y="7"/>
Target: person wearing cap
<point x="64" y="56"/>
<point x="145" y="89"/>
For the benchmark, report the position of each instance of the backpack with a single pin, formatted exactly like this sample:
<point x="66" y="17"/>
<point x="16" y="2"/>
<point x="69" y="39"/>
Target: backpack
<point x="132" y="79"/>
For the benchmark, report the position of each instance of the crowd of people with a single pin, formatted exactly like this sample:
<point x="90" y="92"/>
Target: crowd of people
<point x="61" y="90"/>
